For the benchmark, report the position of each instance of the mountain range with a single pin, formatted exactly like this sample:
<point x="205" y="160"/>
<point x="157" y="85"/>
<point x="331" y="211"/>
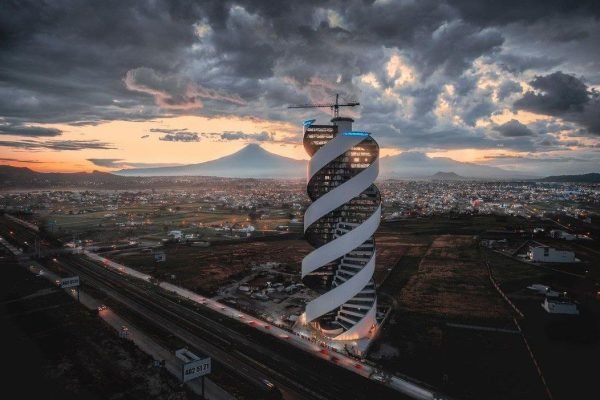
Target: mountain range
<point x="584" y="178"/>
<point x="419" y="165"/>
<point x="20" y="177"/>
<point x="447" y="176"/>
<point x="253" y="161"/>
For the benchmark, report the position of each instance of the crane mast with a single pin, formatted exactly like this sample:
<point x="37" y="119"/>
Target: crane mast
<point x="335" y="107"/>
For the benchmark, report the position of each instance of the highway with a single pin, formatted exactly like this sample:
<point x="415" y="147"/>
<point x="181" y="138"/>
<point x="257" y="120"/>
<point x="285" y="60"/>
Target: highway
<point x="165" y="314"/>
<point x="297" y="374"/>
<point x="402" y="384"/>
<point x="250" y="348"/>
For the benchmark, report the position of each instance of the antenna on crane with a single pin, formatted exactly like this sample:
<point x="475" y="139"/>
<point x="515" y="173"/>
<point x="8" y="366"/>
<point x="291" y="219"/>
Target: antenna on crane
<point x="335" y="108"/>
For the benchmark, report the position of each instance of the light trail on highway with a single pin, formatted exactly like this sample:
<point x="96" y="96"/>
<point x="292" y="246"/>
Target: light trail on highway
<point x="285" y="372"/>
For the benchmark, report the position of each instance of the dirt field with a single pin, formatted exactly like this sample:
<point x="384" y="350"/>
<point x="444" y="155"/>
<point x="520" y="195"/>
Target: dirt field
<point x="206" y="269"/>
<point x="447" y="283"/>
<point x="392" y="246"/>
<point x="452" y="282"/>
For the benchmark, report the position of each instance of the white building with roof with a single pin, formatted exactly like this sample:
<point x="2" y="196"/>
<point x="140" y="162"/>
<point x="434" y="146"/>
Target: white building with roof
<point x="560" y="306"/>
<point x="549" y="254"/>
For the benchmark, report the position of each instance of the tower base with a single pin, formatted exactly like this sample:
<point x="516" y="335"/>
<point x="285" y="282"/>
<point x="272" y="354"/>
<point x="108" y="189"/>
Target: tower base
<point x="354" y="347"/>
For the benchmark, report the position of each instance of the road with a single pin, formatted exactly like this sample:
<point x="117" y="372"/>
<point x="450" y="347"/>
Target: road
<point x="163" y="313"/>
<point x="136" y="335"/>
<point x="401" y="384"/>
<point x="300" y="374"/>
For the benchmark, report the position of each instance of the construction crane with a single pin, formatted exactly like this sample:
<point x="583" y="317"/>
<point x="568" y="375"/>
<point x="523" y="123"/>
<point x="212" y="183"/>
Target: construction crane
<point x="335" y="108"/>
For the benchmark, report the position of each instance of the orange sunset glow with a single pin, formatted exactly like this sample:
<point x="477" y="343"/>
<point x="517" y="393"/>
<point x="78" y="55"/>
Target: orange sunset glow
<point x="455" y="90"/>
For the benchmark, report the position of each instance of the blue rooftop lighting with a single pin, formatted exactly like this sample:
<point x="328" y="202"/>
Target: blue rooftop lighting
<point x="308" y="122"/>
<point x="356" y="133"/>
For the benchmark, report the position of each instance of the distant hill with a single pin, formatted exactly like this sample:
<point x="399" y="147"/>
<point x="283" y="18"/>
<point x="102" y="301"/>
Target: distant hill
<point x="593" y="177"/>
<point x="19" y="177"/>
<point x="24" y="178"/>
<point x="251" y="161"/>
<point x="447" y="176"/>
<point x="414" y="164"/>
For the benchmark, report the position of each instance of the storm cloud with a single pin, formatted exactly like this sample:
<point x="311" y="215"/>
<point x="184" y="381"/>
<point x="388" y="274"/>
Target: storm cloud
<point x="555" y="94"/>
<point x="513" y="128"/>
<point x="57" y="145"/>
<point x="430" y="75"/>
<point x="565" y="96"/>
<point x="173" y="92"/>
<point x="27" y="130"/>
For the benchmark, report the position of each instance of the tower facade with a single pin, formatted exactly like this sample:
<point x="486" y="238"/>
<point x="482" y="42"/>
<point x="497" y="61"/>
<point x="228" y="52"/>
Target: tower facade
<point x="341" y="223"/>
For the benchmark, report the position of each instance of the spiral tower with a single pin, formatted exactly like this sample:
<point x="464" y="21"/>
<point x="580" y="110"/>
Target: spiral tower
<point x="340" y="224"/>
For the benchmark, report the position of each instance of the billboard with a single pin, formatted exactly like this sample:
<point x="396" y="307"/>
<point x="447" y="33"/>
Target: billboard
<point x="193" y="366"/>
<point x="195" y="369"/>
<point x="72" y="281"/>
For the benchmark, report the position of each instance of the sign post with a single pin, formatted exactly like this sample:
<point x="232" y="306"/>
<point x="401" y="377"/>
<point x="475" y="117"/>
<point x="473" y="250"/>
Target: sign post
<point x="193" y="366"/>
<point x="72" y="281"/>
<point x="69" y="282"/>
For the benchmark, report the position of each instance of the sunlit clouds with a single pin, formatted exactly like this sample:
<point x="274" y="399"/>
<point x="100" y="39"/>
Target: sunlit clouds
<point x="132" y="83"/>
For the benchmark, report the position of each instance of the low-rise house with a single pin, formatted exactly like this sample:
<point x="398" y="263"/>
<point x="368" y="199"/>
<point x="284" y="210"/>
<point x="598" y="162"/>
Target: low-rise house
<point x="558" y="234"/>
<point x="549" y="254"/>
<point x="560" y="306"/>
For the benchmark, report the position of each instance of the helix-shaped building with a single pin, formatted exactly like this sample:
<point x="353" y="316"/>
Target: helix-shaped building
<point x="340" y="224"/>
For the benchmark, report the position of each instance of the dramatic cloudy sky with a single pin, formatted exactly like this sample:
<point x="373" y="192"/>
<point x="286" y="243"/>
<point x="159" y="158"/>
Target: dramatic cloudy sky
<point x="111" y="84"/>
